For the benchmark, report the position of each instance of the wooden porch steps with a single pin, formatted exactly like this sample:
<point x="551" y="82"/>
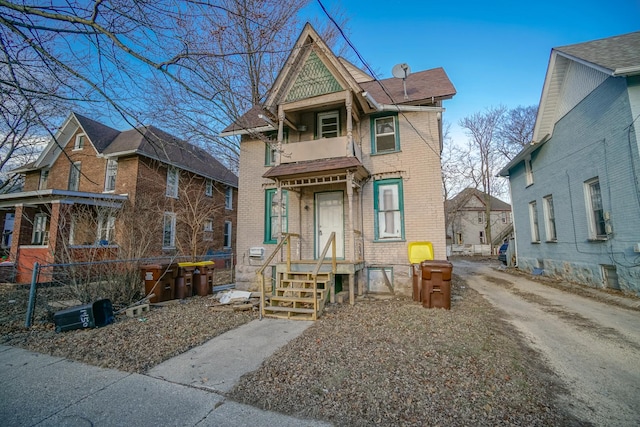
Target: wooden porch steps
<point x="293" y="296"/>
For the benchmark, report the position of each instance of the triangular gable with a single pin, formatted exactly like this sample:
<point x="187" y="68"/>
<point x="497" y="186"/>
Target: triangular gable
<point x="310" y="57"/>
<point x="314" y="79"/>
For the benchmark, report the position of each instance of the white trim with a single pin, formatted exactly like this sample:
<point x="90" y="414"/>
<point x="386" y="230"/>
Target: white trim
<point x="397" y="107"/>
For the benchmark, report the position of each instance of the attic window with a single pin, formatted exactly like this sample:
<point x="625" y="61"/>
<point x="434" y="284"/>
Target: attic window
<point x="79" y="144"/>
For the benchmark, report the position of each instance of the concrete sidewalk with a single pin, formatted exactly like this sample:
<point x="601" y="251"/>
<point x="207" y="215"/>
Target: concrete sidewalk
<point x="184" y="391"/>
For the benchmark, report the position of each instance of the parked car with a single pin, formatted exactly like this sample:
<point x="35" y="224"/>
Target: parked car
<point x="502" y="253"/>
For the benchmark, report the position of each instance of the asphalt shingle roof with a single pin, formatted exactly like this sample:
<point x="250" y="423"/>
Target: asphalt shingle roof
<point x="612" y="53"/>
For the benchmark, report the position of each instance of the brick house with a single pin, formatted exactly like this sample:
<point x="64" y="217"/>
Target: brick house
<point x="332" y="150"/>
<point x="97" y="192"/>
<point x="467" y="222"/>
<point x="575" y="189"/>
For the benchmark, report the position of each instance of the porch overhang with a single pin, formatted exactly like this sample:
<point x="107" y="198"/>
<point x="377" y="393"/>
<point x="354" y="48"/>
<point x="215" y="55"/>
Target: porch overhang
<point x="317" y="172"/>
<point x="41" y="197"/>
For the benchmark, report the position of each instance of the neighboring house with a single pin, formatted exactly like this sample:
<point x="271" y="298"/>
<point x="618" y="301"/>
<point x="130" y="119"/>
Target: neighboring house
<point x="575" y="190"/>
<point x="96" y="192"/>
<point x="334" y="150"/>
<point x="467" y="222"/>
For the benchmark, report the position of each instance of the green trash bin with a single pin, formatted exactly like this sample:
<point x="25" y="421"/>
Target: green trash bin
<point x="94" y="315"/>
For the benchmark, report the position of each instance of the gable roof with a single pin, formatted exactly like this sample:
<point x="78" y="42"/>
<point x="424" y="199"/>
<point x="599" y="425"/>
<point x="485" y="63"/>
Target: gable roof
<point x="147" y="141"/>
<point x="460" y="201"/>
<point x="424" y="87"/>
<point x="619" y="54"/>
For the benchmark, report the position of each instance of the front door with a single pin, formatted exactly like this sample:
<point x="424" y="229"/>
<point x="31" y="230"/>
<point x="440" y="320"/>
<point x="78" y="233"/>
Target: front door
<point x="329" y="218"/>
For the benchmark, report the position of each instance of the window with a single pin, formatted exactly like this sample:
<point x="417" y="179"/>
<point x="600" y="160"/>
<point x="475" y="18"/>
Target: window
<point x="112" y="171"/>
<point x="208" y="230"/>
<point x="227" y="234"/>
<point x="384" y="133"/>
<point x="79" y="144"/>
<point x="388" y="205"/>
<point x="208" y="189"/>
<point x="328" y="124"/>
<point x="38" y="236"/>
<point x="228" y="198"/>
<point x="271" y="146"/>
<point x="505" y="217"/>
<point x="597" y="228"/>
<point x="106" y="228"/>
<point x="550" y="219"/>
<point x="74" y="176"/>
<point x="482" y="240"/>
<point x="528" y="171"/>
<point x="44" y="177"/>
<point x="172" y="182"/>
<point x="169" y="231"/>
<point x="533" y="217"/>
<point x="275" y="215"/>
<point x="480" y="217"/>
<point x="459" y="238"/>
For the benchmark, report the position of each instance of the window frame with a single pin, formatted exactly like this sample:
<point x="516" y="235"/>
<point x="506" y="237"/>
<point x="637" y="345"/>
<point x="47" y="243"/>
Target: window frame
<point x="594" y="222"/>
<point x="78" y="144"/>
<point x="271" y="145"/>
<point x="74" y="176"/>
<point x="208" y="187"/>
<point x="39" y="231"/>
<point x="44" y="179"/>
<point x="171" y="218"/>
<point x="374" y="133"/>
<point x="269" y="216"/>
<point x="207" y="230"/>
<point x="111" y="173"/>
<point x="550" y="219"/>
<point x="106" y="224"/>
<point x="227" y="234"/>
<point x="528" y="171"/>
<point x="394" y="236"/>
<point x="533" y="222"/>
<point x="228" y="198"/>
<point x="328" y="114"/>
<point x="172" y="187"/>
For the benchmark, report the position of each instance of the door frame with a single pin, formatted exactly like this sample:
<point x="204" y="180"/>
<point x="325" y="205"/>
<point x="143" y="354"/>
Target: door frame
<point x="316" y="237"/>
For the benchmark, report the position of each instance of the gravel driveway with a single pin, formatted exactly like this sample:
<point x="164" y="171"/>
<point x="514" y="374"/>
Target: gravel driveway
<point x="592" y="346"/>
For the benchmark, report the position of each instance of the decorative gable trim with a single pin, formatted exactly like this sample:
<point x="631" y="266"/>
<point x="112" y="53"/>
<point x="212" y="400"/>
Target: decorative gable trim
<point x="313" y="79"/>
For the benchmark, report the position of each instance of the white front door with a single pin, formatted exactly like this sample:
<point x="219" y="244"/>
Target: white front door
<point x="329" y="218"/>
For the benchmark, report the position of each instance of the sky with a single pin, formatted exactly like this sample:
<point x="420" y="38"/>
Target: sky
<point x="494" y="52"/>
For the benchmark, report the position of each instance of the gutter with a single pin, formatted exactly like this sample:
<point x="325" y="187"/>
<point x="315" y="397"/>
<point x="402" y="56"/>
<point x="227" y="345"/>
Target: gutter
<point x="248" y="131"/>
<point x="407" y="108"/>
<point x="627" y="71"/>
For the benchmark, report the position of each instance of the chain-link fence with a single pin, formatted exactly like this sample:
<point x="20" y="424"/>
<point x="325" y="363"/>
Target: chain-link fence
<point x="59" y="286"/>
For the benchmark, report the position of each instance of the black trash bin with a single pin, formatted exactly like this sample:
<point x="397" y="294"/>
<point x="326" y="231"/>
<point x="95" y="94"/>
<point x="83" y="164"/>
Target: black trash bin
<point x="94" y="315"/>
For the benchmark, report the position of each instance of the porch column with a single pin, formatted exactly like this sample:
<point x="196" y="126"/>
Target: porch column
<point x="17" y="234"/>
<point x="351" y="234"/>
<point x="280" y="133"/>
<point x="349" y="104"/>
<point x="280" y="204"/>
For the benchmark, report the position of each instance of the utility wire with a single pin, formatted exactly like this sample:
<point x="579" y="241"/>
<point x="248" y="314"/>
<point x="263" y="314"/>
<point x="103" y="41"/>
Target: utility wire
<point x="373" y="74"/>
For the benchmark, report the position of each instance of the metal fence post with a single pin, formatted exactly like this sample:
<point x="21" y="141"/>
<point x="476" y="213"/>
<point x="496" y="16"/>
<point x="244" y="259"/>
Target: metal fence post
<point x="32" y="295"/>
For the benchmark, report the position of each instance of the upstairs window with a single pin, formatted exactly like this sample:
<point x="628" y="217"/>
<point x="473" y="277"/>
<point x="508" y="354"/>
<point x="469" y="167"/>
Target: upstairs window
<point x="110" y="179"/>
<point x="172" y="182"/>
<point x="480" y="217"/>
<point x="74" y="176"/>
<point x="595" y="210"/>
<point x="44" y="178"/>
<point x="208" y="230"/>
<point x="388" y="206"/>
<point x="228" y="198"/>
<point x="79" y="143"/>
<point x="528" y="171"/>
<point x="329" y="124"/>
<point x="227" y="235"/>
<point x="384" y="132"/>
<point x="208" y="189"/>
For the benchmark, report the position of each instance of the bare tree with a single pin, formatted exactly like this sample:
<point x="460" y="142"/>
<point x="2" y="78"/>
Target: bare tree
<point x="482" y="129"/>
<point x="516" y="130"/>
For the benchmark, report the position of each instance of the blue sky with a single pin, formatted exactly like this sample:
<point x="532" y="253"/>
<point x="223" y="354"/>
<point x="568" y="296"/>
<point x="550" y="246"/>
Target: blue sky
<point x="494" y="52"/>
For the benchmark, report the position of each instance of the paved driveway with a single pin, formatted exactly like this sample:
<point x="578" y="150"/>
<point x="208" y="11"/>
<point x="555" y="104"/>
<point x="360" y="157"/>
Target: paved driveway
<point x="594" y="347"/>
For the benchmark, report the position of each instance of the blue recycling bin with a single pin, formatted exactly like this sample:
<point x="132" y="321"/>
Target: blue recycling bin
<point x="94" y="315"/>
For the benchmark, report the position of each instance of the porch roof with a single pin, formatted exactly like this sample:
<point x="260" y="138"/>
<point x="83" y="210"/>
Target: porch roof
<point x="317" y="167"/>
<point x="40" y="197"/>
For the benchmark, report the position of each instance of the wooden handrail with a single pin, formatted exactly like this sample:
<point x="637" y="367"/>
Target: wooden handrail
<point x="286" y="239"/>
<point x="332" y="242"/>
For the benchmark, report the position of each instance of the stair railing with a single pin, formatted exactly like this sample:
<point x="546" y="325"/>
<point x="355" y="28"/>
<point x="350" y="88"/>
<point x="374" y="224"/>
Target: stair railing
<point x="286" y="240"/>
<point x="331" y="242"/>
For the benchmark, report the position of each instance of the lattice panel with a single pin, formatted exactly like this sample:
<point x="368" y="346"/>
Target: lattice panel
<point x="314" y="79"/>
